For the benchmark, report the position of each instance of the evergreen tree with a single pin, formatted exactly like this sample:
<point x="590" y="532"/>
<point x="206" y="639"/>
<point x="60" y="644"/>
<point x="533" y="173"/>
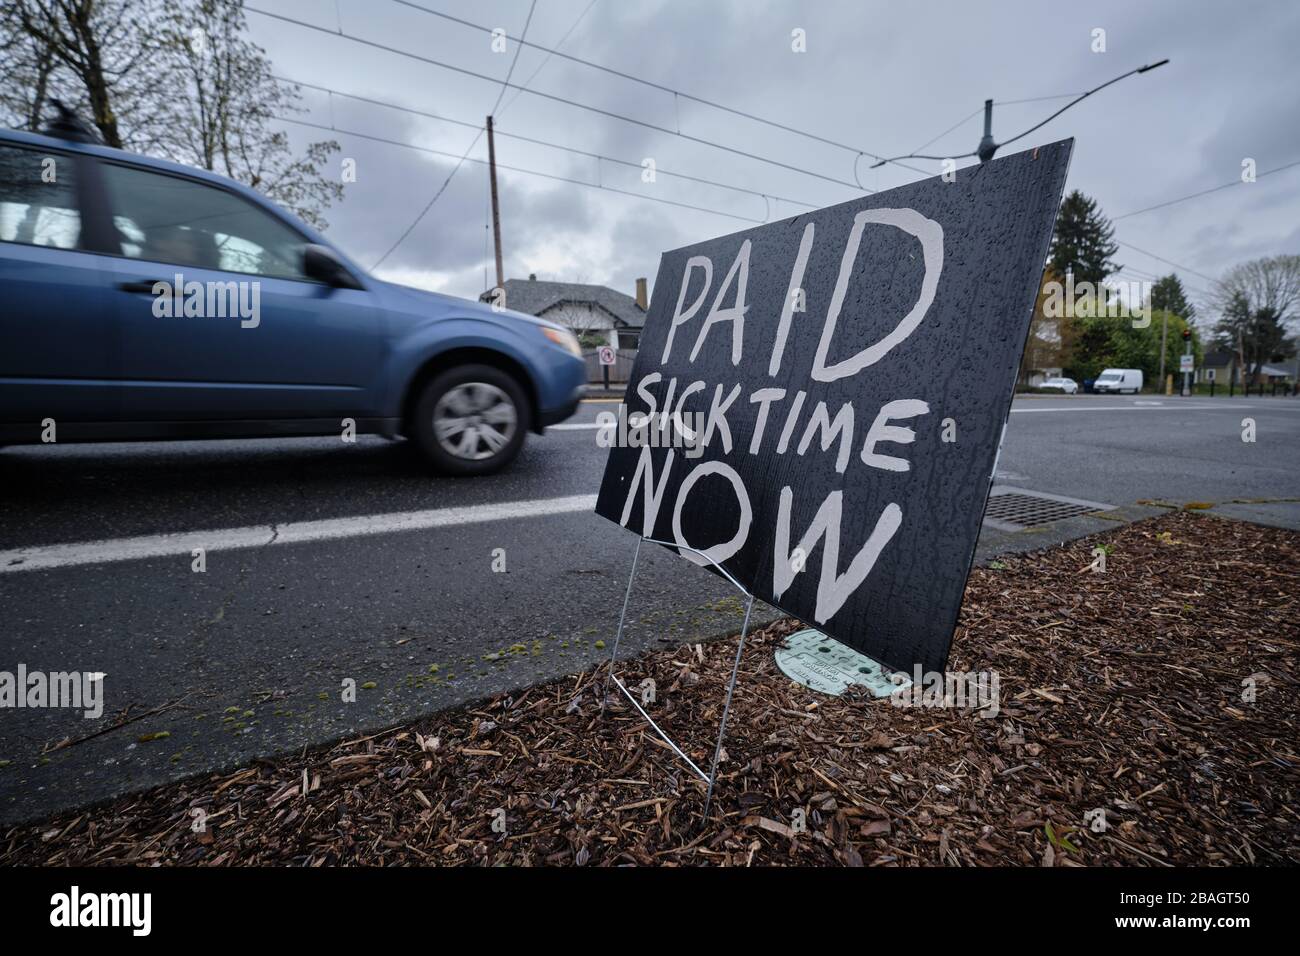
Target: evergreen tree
<point x="1271" y="340"/>
<point x="1234" y="325"/>
<point x="1168" y="295"/>
<point x="1084" y="241"/>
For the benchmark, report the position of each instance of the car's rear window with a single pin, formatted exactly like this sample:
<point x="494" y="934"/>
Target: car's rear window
<point x="38" y="205"/>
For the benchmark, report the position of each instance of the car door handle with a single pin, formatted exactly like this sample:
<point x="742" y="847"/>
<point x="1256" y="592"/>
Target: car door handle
<point x="145" y="285"/>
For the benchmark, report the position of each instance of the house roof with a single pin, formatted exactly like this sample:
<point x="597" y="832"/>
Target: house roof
<point x="1217" y="359"/>
<point x="535" y="296"/>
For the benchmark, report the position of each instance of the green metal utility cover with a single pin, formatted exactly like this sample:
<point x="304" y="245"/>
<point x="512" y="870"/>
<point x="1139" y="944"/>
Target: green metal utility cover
<point x="823" y="664"/>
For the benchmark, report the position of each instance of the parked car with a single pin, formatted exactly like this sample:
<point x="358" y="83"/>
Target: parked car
<point x="1119" y="380"/>
<point x="148" y="300"/>
<point x="1067" y="385"/>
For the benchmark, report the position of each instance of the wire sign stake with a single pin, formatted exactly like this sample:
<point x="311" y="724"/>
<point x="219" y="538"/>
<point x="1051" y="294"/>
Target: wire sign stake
<point x="710" y="778"/>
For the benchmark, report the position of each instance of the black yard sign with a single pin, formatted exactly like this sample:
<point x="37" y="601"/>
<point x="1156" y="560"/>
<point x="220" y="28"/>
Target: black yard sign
<point x="824" y="399"/>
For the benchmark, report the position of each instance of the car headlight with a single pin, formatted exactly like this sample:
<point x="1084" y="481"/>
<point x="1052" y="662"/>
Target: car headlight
<point x="564" y="339"/>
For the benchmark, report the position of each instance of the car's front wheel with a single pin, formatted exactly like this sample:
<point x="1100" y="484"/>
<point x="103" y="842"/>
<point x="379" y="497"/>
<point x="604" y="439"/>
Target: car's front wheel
<point x="471" y="420"/>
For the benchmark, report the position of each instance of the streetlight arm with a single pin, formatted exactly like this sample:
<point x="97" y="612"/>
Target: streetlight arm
<point x="1082" y="96"/>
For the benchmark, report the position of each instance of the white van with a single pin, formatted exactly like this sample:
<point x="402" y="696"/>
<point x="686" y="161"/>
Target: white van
<point x="1119" y="380"/>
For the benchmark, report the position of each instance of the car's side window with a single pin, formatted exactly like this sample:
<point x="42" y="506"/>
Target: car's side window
<point x="38" y="198"/>
<point x="181" y="222"/>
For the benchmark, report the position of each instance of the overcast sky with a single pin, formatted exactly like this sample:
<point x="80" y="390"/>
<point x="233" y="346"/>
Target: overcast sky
<point x="881" y="77"/>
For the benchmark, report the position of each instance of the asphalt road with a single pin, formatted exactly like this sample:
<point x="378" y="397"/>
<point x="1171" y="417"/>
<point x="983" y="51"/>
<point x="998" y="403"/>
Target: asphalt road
<point x="318" y="584"/>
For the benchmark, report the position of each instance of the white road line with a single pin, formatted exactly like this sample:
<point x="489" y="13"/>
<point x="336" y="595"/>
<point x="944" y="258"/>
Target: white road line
<point x="1139" y="407"/>
<point x="1128" y="408"/>
<point x="41" y="557"/>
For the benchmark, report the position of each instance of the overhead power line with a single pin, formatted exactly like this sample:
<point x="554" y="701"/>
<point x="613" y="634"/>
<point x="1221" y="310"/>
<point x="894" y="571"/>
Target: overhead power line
<point x="600" y="157"/>
<point x="1132" y="276"/>
<point x="974" y="113"/>
<point x="567" y="33"/>
<point x="1035" y="99"/>
<point x="1170" y="262"/>
<point x="518" y="169"/>
<point x="1189" y="196"/>
<point x="1206" y="192"/>
<point x="565" y="100"/>
<point x="663" y="88"/>
<point x="460" y="162"/>
<point x="513" y="62"/>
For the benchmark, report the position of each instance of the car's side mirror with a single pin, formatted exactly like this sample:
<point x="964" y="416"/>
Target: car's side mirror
<point x="320" y="263"/>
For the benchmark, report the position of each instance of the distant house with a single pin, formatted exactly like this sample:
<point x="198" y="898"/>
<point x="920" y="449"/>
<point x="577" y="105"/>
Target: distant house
<point x="1278" y="371"/>
<point x="1287" y="370"/>
<point x="1222" y="367"/>
<point x="1042" y="355"/>
<point x="593" y="312"/>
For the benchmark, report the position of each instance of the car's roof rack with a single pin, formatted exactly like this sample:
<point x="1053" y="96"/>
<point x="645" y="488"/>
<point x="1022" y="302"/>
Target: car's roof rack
<point x="68" y="125"/>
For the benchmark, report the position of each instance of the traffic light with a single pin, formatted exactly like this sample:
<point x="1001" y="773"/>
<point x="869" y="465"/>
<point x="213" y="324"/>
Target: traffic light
<point x="1187" y="334"/>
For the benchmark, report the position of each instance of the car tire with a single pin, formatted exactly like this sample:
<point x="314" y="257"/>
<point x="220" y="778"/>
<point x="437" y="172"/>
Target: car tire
<point x="471" y="420"/>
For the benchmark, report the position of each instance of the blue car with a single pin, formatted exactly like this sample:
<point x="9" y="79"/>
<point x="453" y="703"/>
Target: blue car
<point x="141" y="299"/>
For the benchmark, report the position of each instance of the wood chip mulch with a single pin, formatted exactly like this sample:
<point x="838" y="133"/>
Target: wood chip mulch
<point x="1120" y="691"/>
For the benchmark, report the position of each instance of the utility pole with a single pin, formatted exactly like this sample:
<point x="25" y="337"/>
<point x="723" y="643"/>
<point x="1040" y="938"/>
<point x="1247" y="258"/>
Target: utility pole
<point x="1161" y="388"/>
<point x="1241" y="362"/>
<point x="496" y="210"/>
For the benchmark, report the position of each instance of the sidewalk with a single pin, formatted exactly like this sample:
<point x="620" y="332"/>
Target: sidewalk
<point x="616" y="390"/>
